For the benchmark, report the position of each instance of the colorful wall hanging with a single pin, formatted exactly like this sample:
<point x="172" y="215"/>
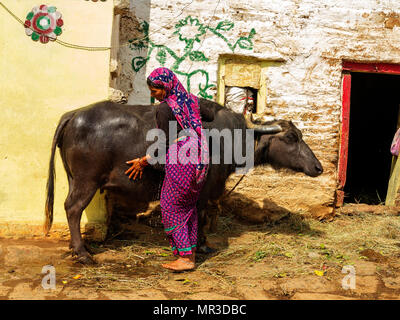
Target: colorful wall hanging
<point x="43" y="23"/>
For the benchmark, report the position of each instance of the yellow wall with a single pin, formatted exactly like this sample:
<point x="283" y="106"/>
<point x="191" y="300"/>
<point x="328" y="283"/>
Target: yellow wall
<point x="38" y="83"/>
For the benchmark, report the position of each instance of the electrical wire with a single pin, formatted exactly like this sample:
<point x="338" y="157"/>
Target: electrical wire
<point x="208" y="24"/>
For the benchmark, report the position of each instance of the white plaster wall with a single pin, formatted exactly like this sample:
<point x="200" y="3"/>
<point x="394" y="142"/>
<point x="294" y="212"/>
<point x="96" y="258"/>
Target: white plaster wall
<point x="313" y="37"/>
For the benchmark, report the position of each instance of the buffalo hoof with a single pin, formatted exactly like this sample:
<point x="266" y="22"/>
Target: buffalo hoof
<point x="206" y="249"/>
<point x="83" y="257"/>
<point x="89" y="249"/>
<point x="86" y="260"/>
<point x="66" y="254"/>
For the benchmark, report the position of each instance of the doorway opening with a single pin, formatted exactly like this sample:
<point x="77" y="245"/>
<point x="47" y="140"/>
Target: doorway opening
<point x="374" y="114"/>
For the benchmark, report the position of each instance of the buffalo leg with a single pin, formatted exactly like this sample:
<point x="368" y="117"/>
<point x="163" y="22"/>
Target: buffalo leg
<point x="78" y="199"/>
<point x="201" y="236"/>
<point x="109" y="209"/>
<point x="214" y="217"/>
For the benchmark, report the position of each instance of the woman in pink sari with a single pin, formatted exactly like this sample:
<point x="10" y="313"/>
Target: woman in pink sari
<point x="185" y="167"/>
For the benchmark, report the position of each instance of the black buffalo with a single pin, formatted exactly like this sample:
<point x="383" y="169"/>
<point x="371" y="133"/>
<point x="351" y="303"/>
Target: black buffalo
<point x="96" y="141"/>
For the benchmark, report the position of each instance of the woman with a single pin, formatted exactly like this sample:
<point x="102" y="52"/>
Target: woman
<point x="184" y="176"/>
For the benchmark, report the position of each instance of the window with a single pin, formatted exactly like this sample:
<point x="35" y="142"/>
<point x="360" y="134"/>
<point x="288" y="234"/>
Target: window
<point x="248" y="73"/>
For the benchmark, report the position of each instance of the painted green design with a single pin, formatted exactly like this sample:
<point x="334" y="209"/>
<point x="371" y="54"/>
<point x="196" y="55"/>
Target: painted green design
<point x="189" y="30"/>
<point x="224" y="25"/>
<point x="197" y="56"/>
<point x="161" y="56"/>
<point x="245" y="42"/>
<point x="138" y="63"/>
<point x="189" y="22"/>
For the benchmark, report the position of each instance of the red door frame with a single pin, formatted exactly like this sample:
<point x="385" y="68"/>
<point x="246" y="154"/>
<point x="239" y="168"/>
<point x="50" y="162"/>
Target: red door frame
<point x="347" y="67"/>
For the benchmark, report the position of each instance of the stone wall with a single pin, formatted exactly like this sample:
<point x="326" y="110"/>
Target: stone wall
<point x="311" y="37"/>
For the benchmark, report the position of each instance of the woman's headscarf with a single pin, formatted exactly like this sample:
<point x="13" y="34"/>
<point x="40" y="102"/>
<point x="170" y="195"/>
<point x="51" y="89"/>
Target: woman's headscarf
<point x="185" y="107"/>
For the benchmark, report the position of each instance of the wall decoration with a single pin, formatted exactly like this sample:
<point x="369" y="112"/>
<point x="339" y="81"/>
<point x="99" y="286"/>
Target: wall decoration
<point x="43" y="23"/>
<point x="189" y="31"/>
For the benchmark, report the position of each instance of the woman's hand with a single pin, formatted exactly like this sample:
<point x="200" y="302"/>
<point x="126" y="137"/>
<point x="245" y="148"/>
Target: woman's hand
<point x="137" y="166"/>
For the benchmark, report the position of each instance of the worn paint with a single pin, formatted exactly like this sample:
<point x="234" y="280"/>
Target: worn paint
<point x="344" y="132"/>
<point x="242" y="73"/>
<point x="188" y="31"/>
<point x="313" y="38"/>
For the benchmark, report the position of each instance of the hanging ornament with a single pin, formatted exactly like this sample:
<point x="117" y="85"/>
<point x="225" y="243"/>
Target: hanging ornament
<point x="43" y="23"/>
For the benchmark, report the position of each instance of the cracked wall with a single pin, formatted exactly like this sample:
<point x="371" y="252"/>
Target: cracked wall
<point x="312" y="37"/>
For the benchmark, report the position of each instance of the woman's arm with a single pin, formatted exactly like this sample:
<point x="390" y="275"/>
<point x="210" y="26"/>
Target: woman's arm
<point x="163" y="116"/>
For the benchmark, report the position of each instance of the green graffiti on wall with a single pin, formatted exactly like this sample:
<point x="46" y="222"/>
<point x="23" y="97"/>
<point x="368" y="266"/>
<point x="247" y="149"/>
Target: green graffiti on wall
<point x="197" y="31"/>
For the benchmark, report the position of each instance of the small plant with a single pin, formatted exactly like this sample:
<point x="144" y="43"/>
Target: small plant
<point x="281" y="275"/>
<point x="289" y="254"/>
<point x="259" y="255"/>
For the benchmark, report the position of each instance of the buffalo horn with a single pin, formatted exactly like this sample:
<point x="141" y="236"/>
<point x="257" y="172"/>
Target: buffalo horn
<point x="261" y="128"/>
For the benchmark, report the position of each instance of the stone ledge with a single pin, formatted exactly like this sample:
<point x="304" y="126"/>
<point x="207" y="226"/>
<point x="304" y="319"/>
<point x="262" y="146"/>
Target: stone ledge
<point x="93" y="231"/>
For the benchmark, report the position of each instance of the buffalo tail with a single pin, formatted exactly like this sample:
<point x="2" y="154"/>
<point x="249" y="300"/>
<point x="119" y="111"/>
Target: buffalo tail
<point x="52" y="174"/>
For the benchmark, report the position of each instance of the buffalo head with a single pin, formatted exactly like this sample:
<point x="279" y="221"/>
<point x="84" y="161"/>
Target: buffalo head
<point x="280" y="144"/>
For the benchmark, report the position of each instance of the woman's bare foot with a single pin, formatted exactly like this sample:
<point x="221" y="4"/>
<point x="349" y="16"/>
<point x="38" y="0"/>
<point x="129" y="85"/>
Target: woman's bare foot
<point x="181" y="264"/>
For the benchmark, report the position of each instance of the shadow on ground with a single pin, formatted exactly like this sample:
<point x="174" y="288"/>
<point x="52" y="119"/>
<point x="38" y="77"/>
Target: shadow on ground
<point x="239" y="215"/>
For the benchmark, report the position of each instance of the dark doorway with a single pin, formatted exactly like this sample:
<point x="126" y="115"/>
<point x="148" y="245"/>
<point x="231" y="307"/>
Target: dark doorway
<point x="374" y="111"/>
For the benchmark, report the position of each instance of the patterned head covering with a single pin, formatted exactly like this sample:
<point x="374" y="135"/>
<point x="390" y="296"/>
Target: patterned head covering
<point x="185" y="107"/>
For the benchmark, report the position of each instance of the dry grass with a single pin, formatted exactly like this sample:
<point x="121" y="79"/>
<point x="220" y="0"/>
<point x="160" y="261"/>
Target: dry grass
<point x="126" y="265"/>
<point x="297" y="246"/>
<point x="292" y="247"/>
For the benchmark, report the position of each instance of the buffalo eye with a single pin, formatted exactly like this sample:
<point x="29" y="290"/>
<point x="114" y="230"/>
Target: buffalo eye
<point x="291" y="137"/>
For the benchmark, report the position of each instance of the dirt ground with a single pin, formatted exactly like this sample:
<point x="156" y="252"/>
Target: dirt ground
<point x="294" y="258"/>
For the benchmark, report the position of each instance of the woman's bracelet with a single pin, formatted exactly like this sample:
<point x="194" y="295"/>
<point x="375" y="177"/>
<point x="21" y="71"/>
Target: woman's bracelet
<point x="143" y="161"/>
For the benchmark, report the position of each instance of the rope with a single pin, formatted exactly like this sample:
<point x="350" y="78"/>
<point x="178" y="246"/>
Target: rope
<point x="241" y="178"/>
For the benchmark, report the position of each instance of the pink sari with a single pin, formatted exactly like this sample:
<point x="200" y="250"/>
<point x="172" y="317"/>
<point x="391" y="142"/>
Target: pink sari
<point x="184" y="178"/>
